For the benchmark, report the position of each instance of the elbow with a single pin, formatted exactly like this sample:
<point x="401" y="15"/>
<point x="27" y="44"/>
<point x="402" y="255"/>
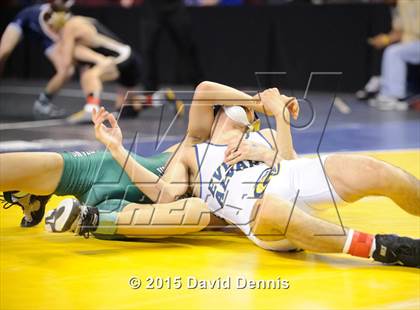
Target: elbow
<point x="204" y="86"/>
<point x="166" y="196"/>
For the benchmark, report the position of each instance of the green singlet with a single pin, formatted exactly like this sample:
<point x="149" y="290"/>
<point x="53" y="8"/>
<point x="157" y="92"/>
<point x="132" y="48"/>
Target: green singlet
<point x="95" y="177"/>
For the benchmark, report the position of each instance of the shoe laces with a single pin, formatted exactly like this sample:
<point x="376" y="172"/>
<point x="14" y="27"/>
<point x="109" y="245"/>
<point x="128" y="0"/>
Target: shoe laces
<point x="405" y="250"/>
<point x="83" y="215"/>
<point x="80" y="230"/>
<point x="14" y="201"/>
<point x="7" y="204"/>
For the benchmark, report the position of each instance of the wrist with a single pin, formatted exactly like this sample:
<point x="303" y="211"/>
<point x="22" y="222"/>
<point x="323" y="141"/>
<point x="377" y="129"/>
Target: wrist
<point x="282" y="115"/>
<point x="116" y="150"/>
<point x="269" y="157"/>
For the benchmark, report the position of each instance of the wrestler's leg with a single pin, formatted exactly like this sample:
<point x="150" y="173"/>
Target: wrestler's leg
<point x="117" y="218"/>
<point x="152" y="220"/>
<point x="61" y="76"/>
<point x="276" y="218"/>
<point x="356" y="176"/>
<point x="93" y="78"/>
<point x="36" y="173"/>
<point x="133" y="101"/>
<point x="91" y="81"/>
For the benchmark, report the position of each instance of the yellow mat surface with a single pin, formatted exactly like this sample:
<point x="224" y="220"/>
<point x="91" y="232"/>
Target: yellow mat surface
<point x="40" y="270"/>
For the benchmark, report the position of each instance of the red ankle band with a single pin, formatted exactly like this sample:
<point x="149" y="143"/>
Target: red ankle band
<point x="361" y="244"/>
<point x="149" y="100"/>
<point x="93" y="100"/>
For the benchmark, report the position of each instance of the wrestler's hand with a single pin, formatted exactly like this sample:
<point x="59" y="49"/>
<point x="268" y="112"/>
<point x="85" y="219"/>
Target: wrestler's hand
<point x="111" y="137"/>
<point x="248" y="150"/>
<point x="379" y="41"/>
<point x="278" y="104"/>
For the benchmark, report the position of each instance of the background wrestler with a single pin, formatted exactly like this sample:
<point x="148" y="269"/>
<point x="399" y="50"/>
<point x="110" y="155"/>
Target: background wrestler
<point x="117" y="62"/>
<point x="40" y="22"/>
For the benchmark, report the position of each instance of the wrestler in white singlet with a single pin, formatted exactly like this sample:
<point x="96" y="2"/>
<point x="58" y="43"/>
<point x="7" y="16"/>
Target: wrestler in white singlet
<point x="231" y="191"/>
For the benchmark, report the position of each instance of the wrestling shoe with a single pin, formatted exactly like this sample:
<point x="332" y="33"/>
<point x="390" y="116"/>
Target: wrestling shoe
<point x="87" y="222"/>
<point x="84" y="116"/>
<point x="46" y="110"/>
<point x="370" y="90"/>
<point x="63" y="218"/>
<point x="363" y="95"/>
<point x="392" y="249"/>
<point x="33" y="206"/>
<point x="386" y="103"/>
<point x="81" y="117"/>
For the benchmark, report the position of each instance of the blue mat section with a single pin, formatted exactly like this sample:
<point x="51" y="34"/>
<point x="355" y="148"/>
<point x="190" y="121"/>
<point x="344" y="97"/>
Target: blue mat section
<point x="360" y="137"/>
<point x="347" y="137"/>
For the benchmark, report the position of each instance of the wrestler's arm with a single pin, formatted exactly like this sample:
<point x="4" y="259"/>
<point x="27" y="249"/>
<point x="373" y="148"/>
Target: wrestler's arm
<point x="251" y="150"/>
<point x="280" y="106"/>
<point x="10" y="38"/>
<point x="207" y="95"/>
<point x="158" y="189"/>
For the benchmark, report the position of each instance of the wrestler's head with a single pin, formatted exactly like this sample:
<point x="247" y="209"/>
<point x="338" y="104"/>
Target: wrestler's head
<point x="58" y="14"/>
<point x="244" y="116"/>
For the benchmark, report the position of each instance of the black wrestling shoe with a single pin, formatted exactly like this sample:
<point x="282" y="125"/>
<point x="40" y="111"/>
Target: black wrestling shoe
<point x="88" y="221"/>
<point x="33" y="206"/>
<point x="392" y="249"/>
<point x="64" y="217"/>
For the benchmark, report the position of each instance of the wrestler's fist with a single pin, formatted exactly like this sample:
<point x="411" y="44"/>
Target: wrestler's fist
<point x="111" y="137"/>
<point x="379" y="41"/>
<point x="278" y="104"/>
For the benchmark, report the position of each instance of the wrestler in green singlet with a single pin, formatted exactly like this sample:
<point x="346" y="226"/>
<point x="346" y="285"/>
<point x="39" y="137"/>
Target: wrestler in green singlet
<point x="96" y="179"/>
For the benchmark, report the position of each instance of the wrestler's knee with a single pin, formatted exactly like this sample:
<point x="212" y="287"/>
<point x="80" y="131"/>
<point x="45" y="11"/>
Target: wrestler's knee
<point x="65" y="73"/>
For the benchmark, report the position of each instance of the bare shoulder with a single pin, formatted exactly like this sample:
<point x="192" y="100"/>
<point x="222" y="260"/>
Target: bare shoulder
<point x="76" y="24"/>
<point x="182" y="153"/>
<point x="73" y="22"/>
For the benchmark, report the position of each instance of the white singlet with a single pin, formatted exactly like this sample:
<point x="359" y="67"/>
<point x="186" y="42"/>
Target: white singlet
<point x="231" y="191"/>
